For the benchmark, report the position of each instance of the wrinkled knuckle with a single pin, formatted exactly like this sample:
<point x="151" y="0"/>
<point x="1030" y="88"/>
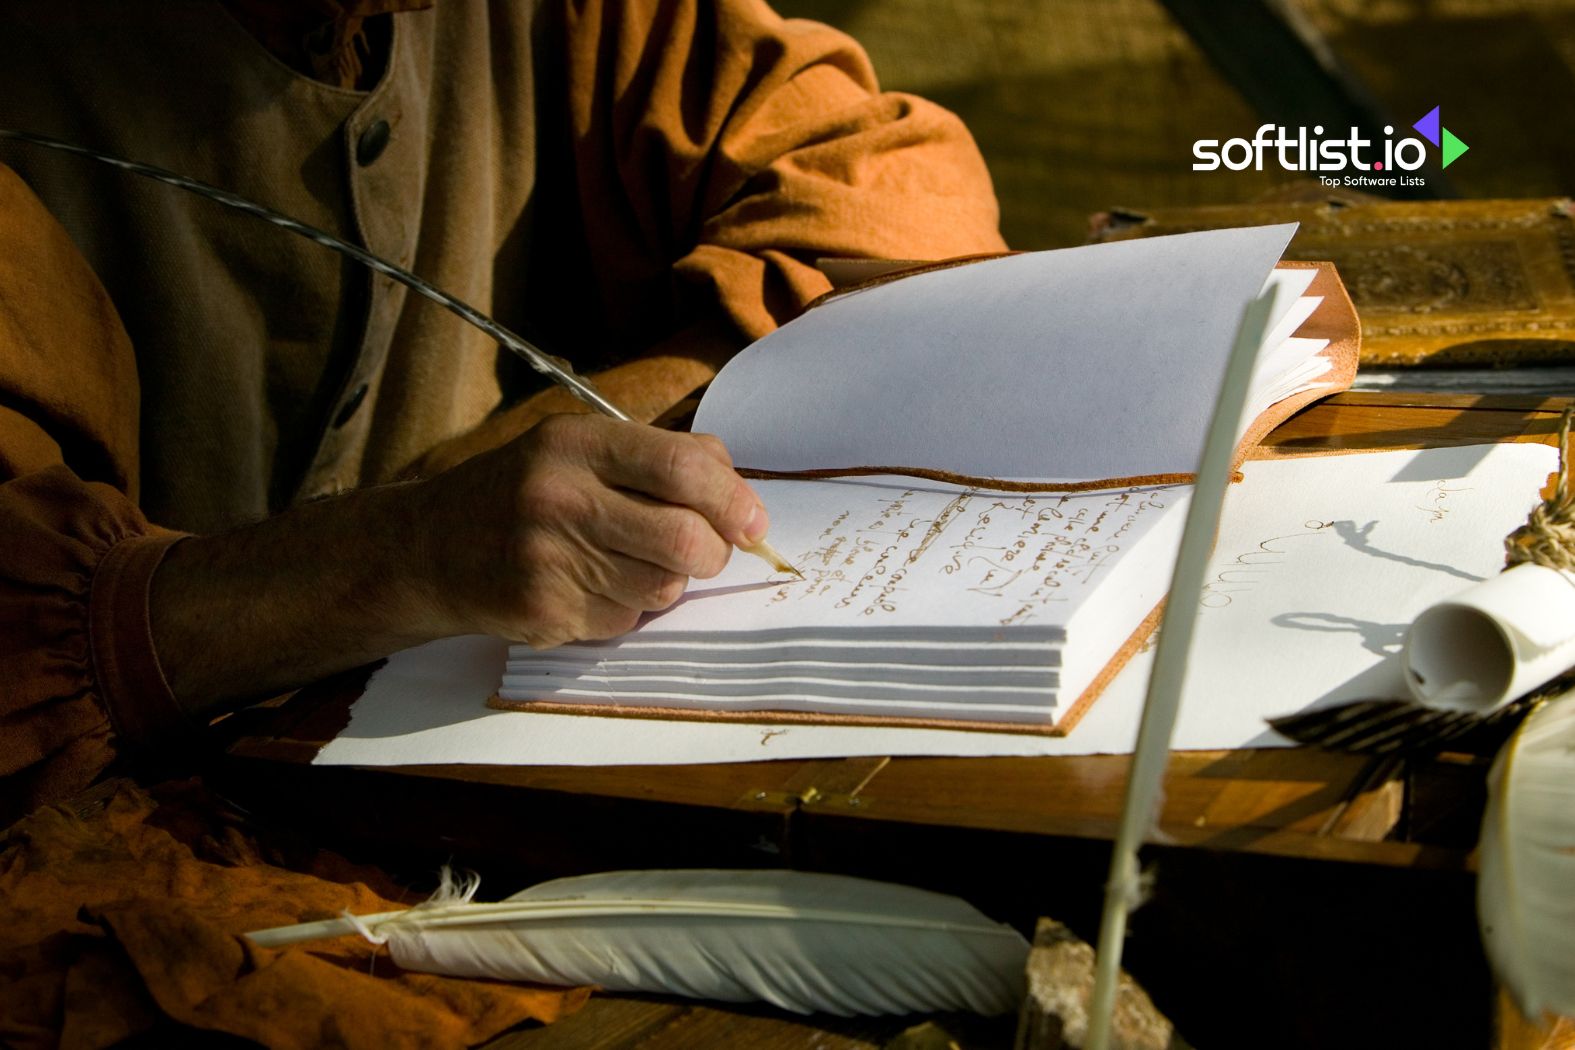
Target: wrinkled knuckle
<point x="680" y="463"/>
<point x="687" y="538"/>
<point x="713" y="560"/>
<point x="556" y="427"/>
<point x="548" y="496"/>
<point x="713" y="447"/>
<point x="546" y="434"/>
<point x="739" y="508"/>
<point x="561" y="434"/>
<point x="669" y="589"/>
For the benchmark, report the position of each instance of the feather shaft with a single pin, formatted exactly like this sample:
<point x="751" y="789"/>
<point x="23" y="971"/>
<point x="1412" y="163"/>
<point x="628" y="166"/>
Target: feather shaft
<point x="804" y="942"/>
<point x="470" y="914"/>
<point x="1170" y="663"/>
<point x="549" y="365"/>
<point x="555" y="368"/>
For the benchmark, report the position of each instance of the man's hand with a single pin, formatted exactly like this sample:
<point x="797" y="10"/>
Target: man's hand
<point x="568" y="532"/>
<point x="574" y="529"/>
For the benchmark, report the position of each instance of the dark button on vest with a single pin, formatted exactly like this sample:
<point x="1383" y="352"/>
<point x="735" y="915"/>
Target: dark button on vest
<point x="372" y="143"/>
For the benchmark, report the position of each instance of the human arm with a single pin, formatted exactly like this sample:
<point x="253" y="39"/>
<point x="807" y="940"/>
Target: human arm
<point x="119" y="637"/>
<point x="567" y="533"/>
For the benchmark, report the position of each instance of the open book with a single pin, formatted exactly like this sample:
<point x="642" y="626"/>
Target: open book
<point x="981" y="471"/>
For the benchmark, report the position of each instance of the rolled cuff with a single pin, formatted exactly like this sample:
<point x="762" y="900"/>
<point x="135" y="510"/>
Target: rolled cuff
<point x="131" y="683"/>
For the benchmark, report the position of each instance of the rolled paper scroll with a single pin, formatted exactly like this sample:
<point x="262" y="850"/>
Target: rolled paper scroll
<point x="1494" y="642"/>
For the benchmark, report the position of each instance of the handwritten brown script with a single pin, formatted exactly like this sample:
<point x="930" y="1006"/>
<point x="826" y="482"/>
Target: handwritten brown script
<point x="1013" y="558"/>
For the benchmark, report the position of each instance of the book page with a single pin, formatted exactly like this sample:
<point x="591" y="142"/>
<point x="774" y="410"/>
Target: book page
<point x="1091" y="362"/>
<point x="887" y="558"/>
<point x="1325" y="572"/>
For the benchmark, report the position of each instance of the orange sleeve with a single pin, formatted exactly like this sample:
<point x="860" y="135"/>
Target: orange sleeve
<point x="76" y="555"/>
<point x="719" y="149"/>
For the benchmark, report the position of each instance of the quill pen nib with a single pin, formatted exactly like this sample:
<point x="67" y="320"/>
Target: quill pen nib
<point x="769" y="555"/>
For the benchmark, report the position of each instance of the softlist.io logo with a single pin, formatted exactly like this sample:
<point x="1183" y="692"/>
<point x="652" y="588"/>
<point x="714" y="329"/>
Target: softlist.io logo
<point x="1376" y="163"/>
<point x="1441" y="137"/>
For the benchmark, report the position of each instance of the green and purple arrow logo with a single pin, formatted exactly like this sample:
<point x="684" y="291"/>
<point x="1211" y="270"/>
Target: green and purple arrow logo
<point x="1441" y="137"/>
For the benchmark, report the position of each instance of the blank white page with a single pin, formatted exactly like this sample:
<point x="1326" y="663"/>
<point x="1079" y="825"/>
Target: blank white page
<point x="1091" y="362"/>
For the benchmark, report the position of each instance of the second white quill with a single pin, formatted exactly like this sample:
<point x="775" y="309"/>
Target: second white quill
<point x="804" y="942"/>
<point x="1140" y="805"/>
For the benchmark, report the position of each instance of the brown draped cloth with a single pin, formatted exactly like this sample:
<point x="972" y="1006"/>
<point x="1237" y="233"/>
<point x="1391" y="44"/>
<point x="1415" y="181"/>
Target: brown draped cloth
<point x="122" y="915"/>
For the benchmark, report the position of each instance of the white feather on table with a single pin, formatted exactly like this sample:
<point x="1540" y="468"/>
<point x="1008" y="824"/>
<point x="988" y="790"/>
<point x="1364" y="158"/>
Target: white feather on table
<point x="1526" y="878"/>
<point x="802" y="941"/>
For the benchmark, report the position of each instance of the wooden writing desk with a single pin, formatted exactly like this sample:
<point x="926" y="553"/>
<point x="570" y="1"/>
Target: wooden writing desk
<point x="1302" y="898"/>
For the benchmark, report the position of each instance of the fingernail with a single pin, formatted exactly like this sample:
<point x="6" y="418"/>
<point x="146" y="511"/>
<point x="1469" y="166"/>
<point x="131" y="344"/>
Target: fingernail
<point x="755" y="531"/>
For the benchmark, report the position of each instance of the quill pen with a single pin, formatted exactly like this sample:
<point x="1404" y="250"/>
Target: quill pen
<point x="554" y="368"/>
<point x="1123" y="890"/>
<point x="1526" y="861"/>
<point x="802" y="941"/>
